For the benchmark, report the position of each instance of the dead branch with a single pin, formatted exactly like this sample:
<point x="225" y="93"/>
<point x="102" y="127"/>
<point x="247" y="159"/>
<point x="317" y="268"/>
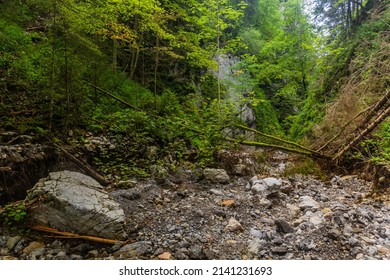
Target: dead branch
<point x="139" y="110"/>
<point x="362" y="134"/>
<point x="114" y="97"/>
<point x="76" y="236"/>
<point x="282" y="141"/>
<point x="279" y="147"/>
<point x="84" y="167"/>
<point x="342" y="128"/>
<point x="381" y="104"/>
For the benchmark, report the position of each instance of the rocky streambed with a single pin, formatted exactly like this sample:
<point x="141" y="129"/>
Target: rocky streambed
<point x="215" y="216"/>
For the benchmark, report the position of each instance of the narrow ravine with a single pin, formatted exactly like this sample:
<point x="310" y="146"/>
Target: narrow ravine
<point x="214" y="215"/>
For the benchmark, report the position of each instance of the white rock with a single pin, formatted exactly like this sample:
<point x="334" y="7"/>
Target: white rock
<point x="74" y="202"/>
<point x="307" y="202"/>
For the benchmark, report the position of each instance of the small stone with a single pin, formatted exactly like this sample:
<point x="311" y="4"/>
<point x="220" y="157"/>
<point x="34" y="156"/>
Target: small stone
<point x="334" y="234"/>
<point x="61" y="256"/>
<point x="165" y="256"/>
<point x="383" y="250"/>
<point x="307" y="202"/>
<point x="216" y="175"/>
<point x="231" y="242"/>
<point x="196" y="252"/>
<point x="75" y="257"/>
<point x="294" y="210"/>
<point x="216" y="192"/>
<point x="256" y="233"/>
<point x="136" y="249"/>
<point x="220" y="213"/>
<point x="132" y="194"/>
<point x="353" y="242"/>
<point x="359" y="256"/>
<point x="228" y="202"/>
<point x="372" y="250"/>
<point x="93" y="254"/>
<point x="32" y="246"/>
<point x="209" y="254"/>
<point x="9" y="258"/>
<point x="254" y="246"/>
<point x="368" y="240"/>
<point x="12" y="241"/>
<point x="283" y="226"/>
<point x="233" y="226"/>
<point x="280" y="250"/>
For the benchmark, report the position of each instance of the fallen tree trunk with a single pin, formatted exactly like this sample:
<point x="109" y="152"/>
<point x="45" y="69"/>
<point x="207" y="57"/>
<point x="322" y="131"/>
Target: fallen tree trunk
<point x="84" y="167"/>
<point x="362" y="134"/>
<point x="279" y="147"/>
<point x="380" y="105"/>
<point x="342" y="129"/>
<point x="280" y="140"/>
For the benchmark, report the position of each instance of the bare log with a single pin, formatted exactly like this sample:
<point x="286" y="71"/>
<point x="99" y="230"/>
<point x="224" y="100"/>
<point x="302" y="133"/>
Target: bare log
<point x="310" y="151"/>
<point x="380" y="105"/>
<point x="342" y="128"/>
<point x="361" y="135"/>
<point x="279" y="147"/>
<point x="84" y="167"/>
<point x="73" y="235"/>
<point x="114" y="97"/>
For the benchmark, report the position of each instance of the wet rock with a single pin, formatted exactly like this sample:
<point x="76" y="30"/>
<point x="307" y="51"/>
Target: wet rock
<point x="216" y="175"/>
<point x="74" y="202"/>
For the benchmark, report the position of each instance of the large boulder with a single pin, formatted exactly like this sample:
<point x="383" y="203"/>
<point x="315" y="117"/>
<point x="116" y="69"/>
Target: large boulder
<point x="74" y="202"/>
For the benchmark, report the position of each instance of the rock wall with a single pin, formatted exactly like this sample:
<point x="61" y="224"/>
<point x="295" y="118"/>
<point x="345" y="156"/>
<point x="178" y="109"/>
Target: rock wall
<point x="22" y="164"/>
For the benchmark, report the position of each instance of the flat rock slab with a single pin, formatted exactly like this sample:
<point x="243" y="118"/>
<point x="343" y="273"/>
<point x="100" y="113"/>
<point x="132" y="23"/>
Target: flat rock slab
<point x="73" y="202"/>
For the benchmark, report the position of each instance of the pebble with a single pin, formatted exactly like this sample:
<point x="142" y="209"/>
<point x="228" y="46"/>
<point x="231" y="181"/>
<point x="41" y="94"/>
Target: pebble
<point x="283" y="226"/>
<point x="12" y="241"/>
<point x="233" y="226"/>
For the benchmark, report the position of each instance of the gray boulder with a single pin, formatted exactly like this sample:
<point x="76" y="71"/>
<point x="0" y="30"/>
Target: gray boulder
<point x="74" y="202"/>
<point x="216" y="175"/>
<point x="265" y="187"/>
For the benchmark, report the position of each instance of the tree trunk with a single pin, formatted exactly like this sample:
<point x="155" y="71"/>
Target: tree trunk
<point x="156" y="62"/>
<point x="114" y="55"/>
<point x="365" y="132"/>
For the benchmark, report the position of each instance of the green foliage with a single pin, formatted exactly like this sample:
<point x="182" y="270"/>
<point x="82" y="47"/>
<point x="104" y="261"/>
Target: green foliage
<point x="304" y="166"/>
<point x="377" y="148"/>
<point x="266" y="116"/>
<point x="14" y="216"/>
